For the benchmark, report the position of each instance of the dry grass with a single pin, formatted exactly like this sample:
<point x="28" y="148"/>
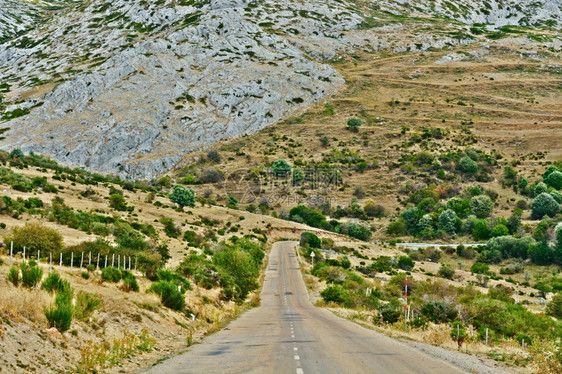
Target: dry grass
<point x="22" y="304"/>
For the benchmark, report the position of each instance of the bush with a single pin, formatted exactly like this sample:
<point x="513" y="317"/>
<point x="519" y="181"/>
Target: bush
<point x="183" y="196"/>
<point x="35" y="236"/>
<point x="129" y="281"/>
<point x="54" y="283"/>
<point x="447" y="271"/>
<point x="308" y="239"/>
<point x="355" y="230"/>
<point x="336" y="294"/>
<point x="405" y="263"/>
<point x="390" y="314"/>
<point x="14" y="275"/>
<point x="60" y="315"/>
<point x="118" y="202"/>
<point x="111" y="274"/>
<point x="544" y="205"/>
<point x="353" y="124"/>
<point x="480" y="230"/>
<point x="481" y="206"/>
<point x="396" y="228"/>
<point x="554" y="307"/>
<point x="213" y="156"/>
<point x="373" y="210"/>
<point x="241" y="267"/>
<point x="439" y="311"/>
<point x="499" y="230"/>
<point x="554" y="179"/>
<point x="467" y="165"/>
<point x="540" y="188"/>
<point x="281" y="168"/>
<point x="448" y="221"/>
<point x="86" y="304"/>
<point x="169" y="294"/>
<point x="480" y="268"/>
<point x="31" y="275"/>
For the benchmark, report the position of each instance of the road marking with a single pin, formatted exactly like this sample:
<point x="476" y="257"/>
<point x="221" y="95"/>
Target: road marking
<point x="295" y="349"/>
<point x="292" y="335"/>
<point x="297" y="357"/>
<point x="300" y="371"/>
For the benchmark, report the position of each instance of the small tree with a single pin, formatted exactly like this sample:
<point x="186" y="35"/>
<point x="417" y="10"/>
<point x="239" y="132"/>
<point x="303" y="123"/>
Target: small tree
<point x="353" y="124"/>
<point x="118" y="202"/>
<point x="499" y="230"/>
<point x="448" y="221"/>
<point x="447" y="271"/>
<point x="540" y="188"/>
<point x="458" y="332"/>
<point x="183" y="196"/>
<point x="405" y="263"/>
<point x="481" y="206"/>
<point x="467" y="165"/>
<point x="554" y="179"/>
<point x="281" y="168"/>
<point x="214" y="156"/>
<point x="35" y="236"/>
<point x="479" y="268"/>
<point x="544" y="205"/>
<point x="554" y="308"/>
<point x="308" y="239"/>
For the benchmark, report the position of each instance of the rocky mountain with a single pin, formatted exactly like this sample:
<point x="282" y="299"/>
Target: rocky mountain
<point x="131" y="86"/>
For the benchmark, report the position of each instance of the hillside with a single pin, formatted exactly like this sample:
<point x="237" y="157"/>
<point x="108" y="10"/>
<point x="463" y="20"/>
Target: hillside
<point x="207" y="71"/>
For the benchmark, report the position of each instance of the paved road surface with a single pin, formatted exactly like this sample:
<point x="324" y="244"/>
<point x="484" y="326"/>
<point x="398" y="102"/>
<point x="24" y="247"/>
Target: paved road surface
<point x="287" y="334"/>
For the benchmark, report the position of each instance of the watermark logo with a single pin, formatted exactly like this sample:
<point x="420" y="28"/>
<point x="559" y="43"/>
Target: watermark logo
<point x="298" y="186"/>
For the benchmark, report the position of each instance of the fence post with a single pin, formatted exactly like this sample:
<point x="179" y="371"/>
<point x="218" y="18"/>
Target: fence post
<point x="24" y="253"/>
<point x="81" y="261"/>
<point x="11" y="253"/>
<point x="523" y="343"/>
<point x="60" y="264"/>
<point x="38" y="256"/>
<point x="71" y="262"/>
<point x="113" y="260"/>
<point x="105" y="262"/>
<point x="486" y="336"/>
<point x="90" y="258"/>
<point x="50" y="262"/>
<point x="118" y="261"/>
<point x="98" y="263"/>
<point x="136" y="258"/>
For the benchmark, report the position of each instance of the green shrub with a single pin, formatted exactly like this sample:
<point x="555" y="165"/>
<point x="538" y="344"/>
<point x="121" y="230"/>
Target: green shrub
<point x="129" y="281"/>
<point x="308" y="239"/>
<point x="35" y="236"/>
<point x="405" y="263"/>
<point x="554" y="307"/>
<point x="544" y="205"/>
<point x="118" y="202"/>
<point x="447" y="271"/>
<point x="390" y="314"/>
<point x="554" y="179"/>
<point x="183" y="196"/>
<point x="353" y="124"/>
<point x="439" y="311"/>
<point x="355" y="230"/>
<point x="177" y="279"/>
<point x="30" y="275"/>
<point x="281" y="168"/>
<point x="169" y="294"/>
<point x="499" y="230"/>
<point x="481" y="206"/>
<point x="467" y="165"/>
<point x="479" y="268"/>
<point x="60" y="315"/>
<point x="86" y="304"/>
<point x="111" y="274"/>
<point x="335" y="294"/>
<point x="241" y="266"/>
<point x="85" y="275"/>
<point x="54" y="283"/>
<point x="448" y="221"/>
<point x="14" y="275"/>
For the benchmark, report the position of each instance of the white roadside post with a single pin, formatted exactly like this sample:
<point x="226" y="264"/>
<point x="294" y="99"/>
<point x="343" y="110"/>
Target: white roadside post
<point x="11" y="253"/>
<point x="24" y="253"/>
<point x="312" y="255"/>
<point x="71" y="262"/>
<point x="50" y="262"/>
<point x="81" y="261"/>
<point x="60" y="264"/>
<point x="98" y="263"/>
<point x="38" y="256"/>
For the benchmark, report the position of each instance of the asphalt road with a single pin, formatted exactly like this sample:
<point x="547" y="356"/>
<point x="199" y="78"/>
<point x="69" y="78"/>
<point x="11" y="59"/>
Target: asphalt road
<point x="287" y="334"/>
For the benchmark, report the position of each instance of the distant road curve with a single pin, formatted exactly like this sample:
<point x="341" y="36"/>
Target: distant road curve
<point x="287" y="334"/>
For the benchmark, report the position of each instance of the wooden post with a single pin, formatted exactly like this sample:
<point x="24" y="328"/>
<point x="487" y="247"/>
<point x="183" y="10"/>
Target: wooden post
<point x="51" y="262"/>
<point x="38" y="256"/>
<point x="24" y="253"/>
<point x="136" y="263"/>
<point x="471" y="332"/>
<point x="118" y="261"/>
<point x="486" y="336"/>
<point x="81" y="261"/>
<point x="113" y="260"/>
<point x="98" y="263"/>
<point x="522" y="343"/>
<point x="71" y="261"/>
<point x="90" y="258"/>
<point x="129" y="262"/>
<point x="11" y="252"/>
<point x="105" y="262"/>
<point x="60" y="264"/>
